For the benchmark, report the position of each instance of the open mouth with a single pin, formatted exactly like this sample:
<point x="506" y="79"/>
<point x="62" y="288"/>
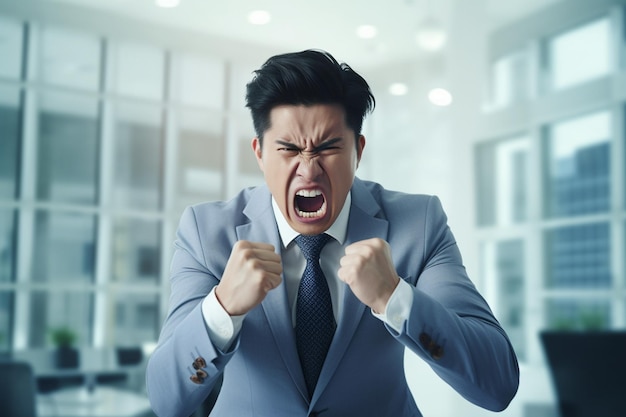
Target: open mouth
<point x="310" y="203"/>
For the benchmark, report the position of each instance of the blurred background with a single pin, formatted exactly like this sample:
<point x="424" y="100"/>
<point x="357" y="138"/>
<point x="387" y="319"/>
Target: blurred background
<point x="116" y="114"/>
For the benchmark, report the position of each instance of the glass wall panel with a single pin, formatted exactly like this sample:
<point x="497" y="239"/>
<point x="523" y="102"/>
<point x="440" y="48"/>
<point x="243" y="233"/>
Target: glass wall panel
<point x="578" y="166"/>
<point x="136" y="318"/>
<point x="591" y="41"/>
<point x="70" y="59"/>
<point x="198" y="81"/>
<point x="138" y="157"/>
<point x="6" y="316"/>
<point x="249" y="173"/>
<point x="511" y="277"/>
<point x="578" y="314"/>
<point x="502" y="265"/>
<point x="201" y="157"/>
<point x="579" y="257"/>
<point x="136" y="250"/>
<point x="51" y="310"/>
<point x="139" y="70"/>
<point x="10" y="120"/>
<point x="486" y="187"/>
<point x="510" y="80"/>
<point x="64" y="247"/>
<point x="7" y="245"/>
<point x="502" y="171"/>
<point x="240" y="75"/>
<point x="68" y="145"/>
<point x="11" y="38"/>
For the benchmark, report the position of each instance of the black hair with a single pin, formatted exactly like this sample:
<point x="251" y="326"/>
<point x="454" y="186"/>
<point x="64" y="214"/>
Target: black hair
<point x="307" y="78"/>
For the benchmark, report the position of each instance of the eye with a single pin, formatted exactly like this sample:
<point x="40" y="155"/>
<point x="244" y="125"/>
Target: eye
<point x="330" y="146"/>
<point x="288" y="149"/>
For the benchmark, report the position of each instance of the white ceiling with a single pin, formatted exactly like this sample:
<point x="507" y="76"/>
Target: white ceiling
<point x="325" y="24"/>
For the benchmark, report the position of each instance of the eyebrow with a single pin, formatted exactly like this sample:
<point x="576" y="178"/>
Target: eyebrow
<point x="324" y="145"/>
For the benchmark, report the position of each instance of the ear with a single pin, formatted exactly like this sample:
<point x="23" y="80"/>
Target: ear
<point x="360" y="145"/>
<point x="256" y="147"/>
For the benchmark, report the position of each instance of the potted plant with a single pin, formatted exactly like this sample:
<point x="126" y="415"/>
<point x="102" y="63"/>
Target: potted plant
<point x="66" y="354"/>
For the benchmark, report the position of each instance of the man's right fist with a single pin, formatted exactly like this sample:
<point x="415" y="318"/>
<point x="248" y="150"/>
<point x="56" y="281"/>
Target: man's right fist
<point x="253" y="269"/>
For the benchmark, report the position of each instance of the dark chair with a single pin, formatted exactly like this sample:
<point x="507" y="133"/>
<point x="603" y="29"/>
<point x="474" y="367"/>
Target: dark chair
<point x="588" y="371"/>
<point x="130" y="360"/>
<point x="129" y="355"/>
<point x="18" y="391"/>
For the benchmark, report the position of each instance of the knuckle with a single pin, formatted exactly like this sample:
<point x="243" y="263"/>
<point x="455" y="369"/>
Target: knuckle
<point x="240" y="244"/>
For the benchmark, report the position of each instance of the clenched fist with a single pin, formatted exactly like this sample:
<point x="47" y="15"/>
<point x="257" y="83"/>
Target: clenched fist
<point x="252" y="270"/>
<point x="368" y="269"/>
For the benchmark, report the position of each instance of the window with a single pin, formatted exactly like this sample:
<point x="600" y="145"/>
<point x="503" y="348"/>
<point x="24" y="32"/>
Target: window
<point x="503" y="262"/>
<point x="7" y="245"/>
<point x="550" y="226"/>
<point x="579" y="314"/>
<point x="201" y="156"/>
<point x="136" y="255"/>
<point x="67" y="149"/>
<point x="502" y="181"/>
<point x="64" y="247"/>
<point x="136" y="318"/>
<point x="138" y="156"/>
<point x="10" y="119"/>
<point x="6" y="308"/>
<point x="564" y="54"/>
<point x="578" y="257"/>
<point x="102" y="145"/>
<point x="69" y="59"/>
<point x="139" y="70"/>
<point x="11" y="39"/>
<point x="198" y="81"/>
<point x="578" y="157"/>
<point x="54" y="309"/>
<point x="510" y="80"/>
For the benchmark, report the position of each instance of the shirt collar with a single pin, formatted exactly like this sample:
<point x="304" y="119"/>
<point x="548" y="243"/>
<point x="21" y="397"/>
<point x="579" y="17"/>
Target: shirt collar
<point x="337" y="230"/>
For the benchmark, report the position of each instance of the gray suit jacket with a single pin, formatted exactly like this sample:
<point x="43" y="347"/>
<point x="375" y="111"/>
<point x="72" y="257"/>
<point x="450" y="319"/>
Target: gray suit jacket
<point x="450" y="325"/>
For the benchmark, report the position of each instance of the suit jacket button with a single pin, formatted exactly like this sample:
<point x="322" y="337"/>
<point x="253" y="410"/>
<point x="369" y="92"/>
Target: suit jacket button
<point x="196" y="379"/>
<point x="199" y="363"/>
<point x="425" y="339"/>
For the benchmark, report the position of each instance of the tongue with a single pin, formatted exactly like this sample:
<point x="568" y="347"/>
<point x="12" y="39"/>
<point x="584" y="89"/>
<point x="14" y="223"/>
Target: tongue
<point x="309" y="204"/>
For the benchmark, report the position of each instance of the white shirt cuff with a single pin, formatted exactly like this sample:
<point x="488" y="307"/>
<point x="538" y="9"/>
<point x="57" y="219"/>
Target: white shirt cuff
<point x="398" y="307"/>
<point x="222" y="328"/>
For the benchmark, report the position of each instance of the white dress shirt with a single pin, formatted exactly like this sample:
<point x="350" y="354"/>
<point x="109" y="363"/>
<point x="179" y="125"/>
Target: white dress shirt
<point x="223" y="328"/>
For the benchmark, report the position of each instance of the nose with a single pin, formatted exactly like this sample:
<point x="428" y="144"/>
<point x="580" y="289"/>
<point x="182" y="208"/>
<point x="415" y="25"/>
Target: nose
<point x="309" y="166"/>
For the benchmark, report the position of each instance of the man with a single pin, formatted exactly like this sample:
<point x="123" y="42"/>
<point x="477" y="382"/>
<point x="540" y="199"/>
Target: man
<point x="389" y="275"/>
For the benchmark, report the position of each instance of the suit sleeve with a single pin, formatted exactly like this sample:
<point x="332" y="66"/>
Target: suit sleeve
<point x="185" y="365"/>
<point x="451" y="326"/>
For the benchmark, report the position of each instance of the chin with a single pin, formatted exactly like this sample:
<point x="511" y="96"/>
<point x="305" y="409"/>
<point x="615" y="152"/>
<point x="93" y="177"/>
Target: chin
<point x="310" y="229"/>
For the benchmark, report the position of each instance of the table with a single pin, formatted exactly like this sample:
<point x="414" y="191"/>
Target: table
<point x="98" y="402"/>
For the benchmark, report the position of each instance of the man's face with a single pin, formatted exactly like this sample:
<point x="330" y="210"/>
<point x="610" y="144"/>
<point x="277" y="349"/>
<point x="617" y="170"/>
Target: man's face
<point x="309" y="160"/>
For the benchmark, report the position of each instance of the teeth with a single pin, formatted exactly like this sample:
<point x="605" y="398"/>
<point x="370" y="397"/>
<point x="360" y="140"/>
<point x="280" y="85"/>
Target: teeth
<point x="311" y="214"/>
<point x="309" y="193"/>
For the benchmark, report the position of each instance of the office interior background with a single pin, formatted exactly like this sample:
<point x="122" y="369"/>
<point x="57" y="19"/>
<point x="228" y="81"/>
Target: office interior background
<point x="111" y="122"/>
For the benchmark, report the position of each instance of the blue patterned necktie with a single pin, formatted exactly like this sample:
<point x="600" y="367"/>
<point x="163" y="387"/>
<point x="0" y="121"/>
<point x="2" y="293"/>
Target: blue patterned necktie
<point x="315" y="322"/>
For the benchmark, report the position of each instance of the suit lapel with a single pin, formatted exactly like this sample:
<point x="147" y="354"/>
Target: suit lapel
<point x="262" y="228"/>
<point x="361" y="225"/>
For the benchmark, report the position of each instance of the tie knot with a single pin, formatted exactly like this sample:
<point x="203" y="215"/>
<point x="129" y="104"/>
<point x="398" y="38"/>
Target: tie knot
<point x="311" y="246"/>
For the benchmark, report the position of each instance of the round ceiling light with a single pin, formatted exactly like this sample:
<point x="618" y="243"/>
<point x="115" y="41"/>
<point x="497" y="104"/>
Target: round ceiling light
<point x="259" y="17"/>
<point x="440" y="97"/>
<point x="366" y="31"/>
<point x="167" y="4"/>
<point x="431" y="35"/>
<point x="398" y="89"/>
